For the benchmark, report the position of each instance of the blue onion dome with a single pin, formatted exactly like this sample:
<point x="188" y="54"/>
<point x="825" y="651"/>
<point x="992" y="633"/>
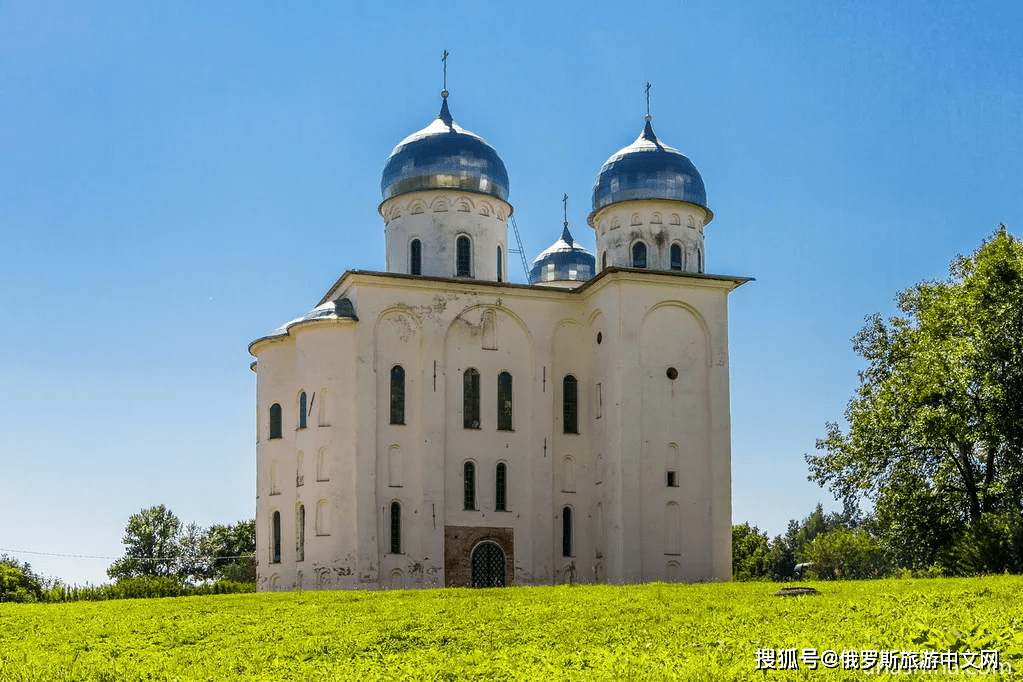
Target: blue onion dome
<point x="563" y="261"/>
<point x="648" y="169"/>
<point x="443" y="155"/>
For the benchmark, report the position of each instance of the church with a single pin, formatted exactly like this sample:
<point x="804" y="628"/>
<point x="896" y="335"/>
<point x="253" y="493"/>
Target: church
<point x="437" y="425"/>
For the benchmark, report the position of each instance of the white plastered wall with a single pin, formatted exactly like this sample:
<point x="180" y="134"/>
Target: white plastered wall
<point x="659" y="223"/>
<point x="437" y="218"/>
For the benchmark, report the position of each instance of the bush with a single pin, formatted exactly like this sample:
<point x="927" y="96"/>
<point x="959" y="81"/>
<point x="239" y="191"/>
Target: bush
<point x="849" y="554"/>
<point x="15" y="586"/>
<point x="992" y="545"/>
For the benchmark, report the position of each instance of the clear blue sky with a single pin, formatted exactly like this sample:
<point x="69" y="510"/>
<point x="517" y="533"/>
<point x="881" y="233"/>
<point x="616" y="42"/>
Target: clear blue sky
<point x="177" y="179"/>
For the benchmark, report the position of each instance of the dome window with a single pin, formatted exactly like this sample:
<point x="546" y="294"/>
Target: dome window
<point x="463" y="257"/>
<point x="639" y="255"/>
<point x="416" y="257"/>
<point x="676" y="257"/>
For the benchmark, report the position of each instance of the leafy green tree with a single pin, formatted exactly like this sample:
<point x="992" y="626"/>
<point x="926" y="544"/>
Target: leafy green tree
<point x="152" y="547"/>
<point x="751" y="553"/>
<point x="15" y="586"/>
<point x="994" y="545"/>
<point x="232" y="550"/>
<point x="847" y="553"/>
<point x="938" y="416"/>
<point x="19" y="583"/>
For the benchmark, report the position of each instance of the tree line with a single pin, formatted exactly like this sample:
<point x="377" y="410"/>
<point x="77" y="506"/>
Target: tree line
<point x="162" y="558"/>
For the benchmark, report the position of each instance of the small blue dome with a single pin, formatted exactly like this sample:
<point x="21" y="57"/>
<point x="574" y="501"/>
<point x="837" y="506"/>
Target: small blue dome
<point x="563" y="261"/>
<point x="444" y="155"/>
<point x="648" y="169"/>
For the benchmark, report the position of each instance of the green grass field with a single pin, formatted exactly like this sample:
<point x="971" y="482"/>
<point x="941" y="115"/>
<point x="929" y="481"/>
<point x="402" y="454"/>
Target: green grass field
<point x="656" y="631"/>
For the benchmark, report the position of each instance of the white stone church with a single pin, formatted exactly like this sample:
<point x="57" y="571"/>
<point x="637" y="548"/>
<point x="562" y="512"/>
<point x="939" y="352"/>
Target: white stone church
<point x="438" y="425"/>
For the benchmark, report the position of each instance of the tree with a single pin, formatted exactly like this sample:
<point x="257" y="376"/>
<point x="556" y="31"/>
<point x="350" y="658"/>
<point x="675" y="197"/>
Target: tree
<point x="151" y="545"/>
<point x="751" y="553"/>
<point x="232" y="550"/>
<point x="847" y="553"/>
<point x="935" y="436"/>
<point x="19" y="583"/>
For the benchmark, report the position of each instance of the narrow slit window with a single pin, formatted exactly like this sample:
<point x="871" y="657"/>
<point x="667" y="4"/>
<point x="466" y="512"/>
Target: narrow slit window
<point x="603" y="261"/>
<point x="395" y="528"/>
<point x="500" y="265"/>
<point x="676" y="257"/>
<point x="275" y="421"/>
<point x="566" y="531"/>
<point x="699" y="260"/>
<point x="471" y="399"/>
<point x="275" y="538"/>
<point x="469" y="486"/>
<point x="639" y="255"/>
<point x="397" y="395"/>
<point x="570" y="400"/>
<point x="302" y="408"/>
<point x="463" y="257"/>
<point x="416" y="257"/>
<point x="504" y="401"/>
<point x="501" y="492"/>
<point x="300" y="533"/>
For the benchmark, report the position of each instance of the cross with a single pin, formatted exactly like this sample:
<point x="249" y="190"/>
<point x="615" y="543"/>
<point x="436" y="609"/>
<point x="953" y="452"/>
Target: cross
<point x="564" y="201"/>
<point x="648" y="98"/>
<point x="445" y="60"/>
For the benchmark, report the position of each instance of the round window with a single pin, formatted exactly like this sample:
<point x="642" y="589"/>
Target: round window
<point x="672" y="373"/>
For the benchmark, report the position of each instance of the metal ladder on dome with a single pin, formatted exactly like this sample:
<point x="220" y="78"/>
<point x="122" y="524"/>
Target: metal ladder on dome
<point x="521" y="251"/>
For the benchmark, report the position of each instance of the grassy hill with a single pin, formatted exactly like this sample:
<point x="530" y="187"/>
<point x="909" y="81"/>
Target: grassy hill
<point x="599" y="632"/>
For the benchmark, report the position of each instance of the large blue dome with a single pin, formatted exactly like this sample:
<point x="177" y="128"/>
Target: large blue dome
<point x="648" y="169"/>
<point x="444" y="155"/>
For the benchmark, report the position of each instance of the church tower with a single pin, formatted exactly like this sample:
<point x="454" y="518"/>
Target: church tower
<point x="445" y="204"/>
<point x="650" y="208"/>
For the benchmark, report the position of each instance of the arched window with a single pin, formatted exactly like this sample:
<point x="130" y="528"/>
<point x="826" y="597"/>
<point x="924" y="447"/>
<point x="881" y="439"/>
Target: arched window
<point x="300" y="533"/>
<point x="501" y="491"/>
<point x="322" y="518"/>
<point x="568" y="475"/>
<point x="504" y="401"/>
<point x="302" y="407"/>
<point x="397" y="395"/>
<point x="394" y="467"/>
<point x="322" y="465"/>
<point x="671" y="465"/>
<point x="471" y="399"/>
<point x="275" y="538"/>
<point x="639" y="255"/>
<point x="566" y="531"/>
<point x="275" y="420"/>
<point x="570" y="403"/>
<point x="415" y="257"/>
<point x="463" y="257"/>
<point x="395" y="527"/>
<point x="469" y="486"/>
<point x="500" y="266"/>
<point x="672" y="528"/>
<point x="603" y="261"/>
<point x="676" y="257"/>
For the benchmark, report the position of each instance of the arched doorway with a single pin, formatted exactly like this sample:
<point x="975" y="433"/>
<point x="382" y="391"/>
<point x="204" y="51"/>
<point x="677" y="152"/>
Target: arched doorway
<point x="488" y="565"/>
